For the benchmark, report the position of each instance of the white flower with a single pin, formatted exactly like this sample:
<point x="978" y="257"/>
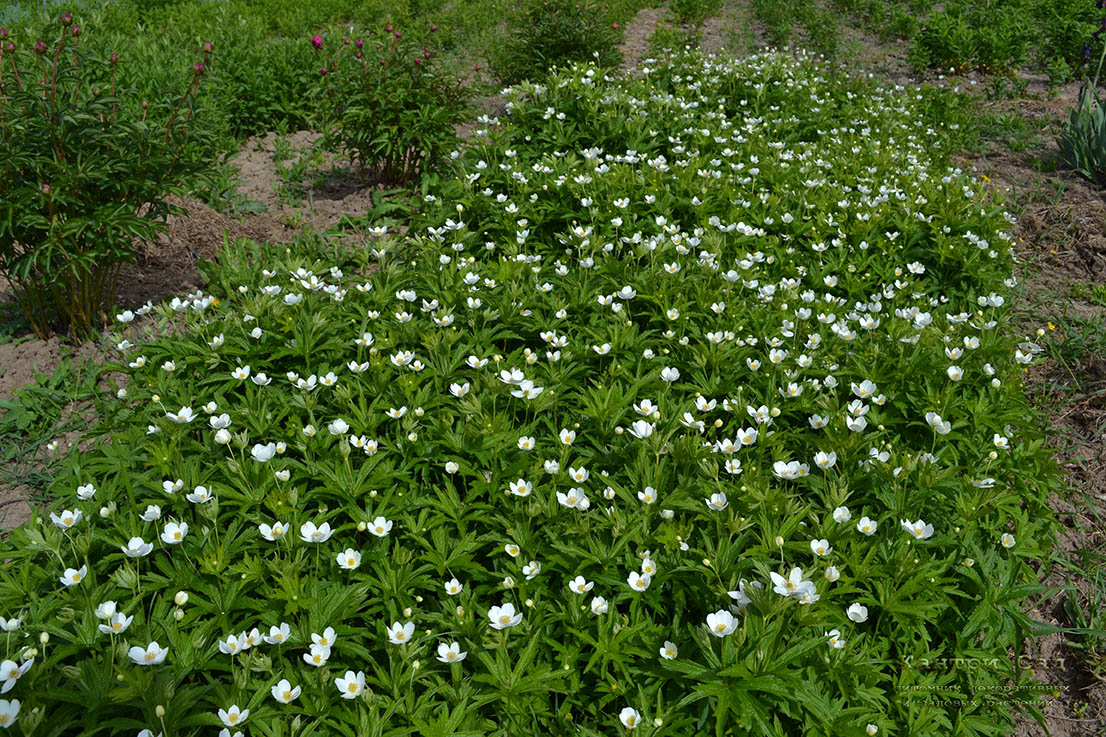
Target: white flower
<point x="399" y="634"/>
<point x="263" y="453"/>
<point x="380" y="527"/>
<point x="820" y="547"/>
<point x="504" y="616"/>
<point x="278" y="635"/>
<point x="317" y="656"/>
<point x="338" y="427"/>
<point x="670" y="374"/>
<point x="857" y="613"/>
<point x="717" y="501"/>
<point x="599" y="605"/>
<point x="642" y="429"/>
<point x="834" y="639"/>
<point x="721" y="623"/>
<point x="152" y="654"/>
<point x="867" y="526"/>
<point x="531" y="570"/>
<point x="284" y="693"/>
<point x="1007" y="540"/>
<point x="351" y="684"/>
<point x="648" y="495"/>
<point x="9" y="712"/>
<point x="521" y="488"/>
<point x="920" y="530"/>
<point x="793" y="585"/>
<point x="349" y="559"/>
<point x="272" y="532"/>
<point x="842" y="515"/>
<point x="67" y="518"/>
<point x="451" y="653"/>
<point x="174" y="532"/>
<point x="639" y="581"/>
<point x="309" y="533"/>
<point x="182" y="416"/>
<point x="629" y="717"/>
<point x="136" y="547"/>
<point x="453" y="587"/>
<point x="669" y="651"/>
<point x="233" y="716"/>
<point x="580" y="585"/>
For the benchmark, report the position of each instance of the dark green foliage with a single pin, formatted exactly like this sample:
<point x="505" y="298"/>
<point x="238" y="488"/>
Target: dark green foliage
<point x="555" y="33"/>
<point x="389" y="106"/>
<point x="82" y="174"/>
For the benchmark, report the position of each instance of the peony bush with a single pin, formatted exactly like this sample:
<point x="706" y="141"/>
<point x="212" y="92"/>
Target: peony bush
<point x="688" y="406"/>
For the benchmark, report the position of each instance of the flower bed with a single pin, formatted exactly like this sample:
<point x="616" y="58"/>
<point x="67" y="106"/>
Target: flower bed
<point x="688" y="408"/>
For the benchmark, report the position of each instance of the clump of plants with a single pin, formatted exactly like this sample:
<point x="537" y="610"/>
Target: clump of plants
<point x="1083" y="142"/>
<point x="84" y="175"/>
<point x="389" y="106"/>
<point x="555" y="33"/>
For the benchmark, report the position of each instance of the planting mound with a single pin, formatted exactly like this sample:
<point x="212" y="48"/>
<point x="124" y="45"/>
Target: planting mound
<point x="686" y="407"/>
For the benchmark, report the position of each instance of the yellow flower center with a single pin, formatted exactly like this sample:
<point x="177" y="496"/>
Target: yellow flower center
<point x="631" y="721"/>
<point x="4" y="718"/>
<point x="233" y="717"/>
<point x="719" y="627"/>
<point x="287" y="695"/>
<point x="352" y="687"/>
<point x="176" y="536"/>
<point x="504" y="619"/>
<point x="150" y="656"/>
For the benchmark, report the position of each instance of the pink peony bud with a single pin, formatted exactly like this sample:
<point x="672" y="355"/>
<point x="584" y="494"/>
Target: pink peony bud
<point x="198" y="68"/>
<point x="114" y="58"/>
<point x="399" y="34"/>
<point x="3" y="34"/>
<point x="359" y="43"/>
<point x="75" y="32"/>
<point x="317" y="41"/>
<point x="433" y="28"/>
<point x="418" y="60"/>
<point x="324" y="71"/>
<point x="208" y="47"/>
<point x="40" y="47"/>
<point x="47" y="189"/>
<point x="388" y="28"/>
<point x="67" y="19"/>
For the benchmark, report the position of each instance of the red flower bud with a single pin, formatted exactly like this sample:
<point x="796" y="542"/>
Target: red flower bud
<point x="114" y="58"/>
<point x="418" y="60"/>
<point x="317" y="41"/>
<point x="359" y="43"/>
<point x="399" y="33"/>
<point x="324" y="71"/>
<point x="3" y="34"/>
<point x="67" y="19"/>
<point x="433" y="28"/>
<point x="388" y="28"/>
<point x="47" y="189"/>
<point x="198" y="68"/>
<point x="75" y="32"/>
<point x="208" y="47"/>
<point x="40" y="47"/>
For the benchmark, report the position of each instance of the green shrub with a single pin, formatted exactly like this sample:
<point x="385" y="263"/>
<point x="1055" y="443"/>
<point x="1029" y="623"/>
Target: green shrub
<point x="83" y="175"/>
<point x="389" y="105"/>
<point x="693" y="12"/>
<point x="556" y="33"/>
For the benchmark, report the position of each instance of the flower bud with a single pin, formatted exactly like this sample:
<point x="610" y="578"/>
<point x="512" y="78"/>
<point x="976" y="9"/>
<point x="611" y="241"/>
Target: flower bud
<point x="3" y="34"/>
<point x="779" y="541"/>
<point x="76" y="32"/>
<point x="870" y="730"/>
<point x="44" y="637"/>
<point x="67" y="19"/>
<point x="181" y="598"/>
<point x="407" y="612"/>
<point x="317" y="41"/>
<point x="159" y="711"/>
<point x="113" y="58"/>
<point x="178" y="614"/>
<point x="208" y="47"/>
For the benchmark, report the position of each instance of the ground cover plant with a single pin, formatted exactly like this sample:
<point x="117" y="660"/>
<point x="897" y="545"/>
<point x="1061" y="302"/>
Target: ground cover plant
<point x="686" y="407"/>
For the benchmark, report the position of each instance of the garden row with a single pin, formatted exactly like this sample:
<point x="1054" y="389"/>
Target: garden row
<point x="687" y="404"/>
